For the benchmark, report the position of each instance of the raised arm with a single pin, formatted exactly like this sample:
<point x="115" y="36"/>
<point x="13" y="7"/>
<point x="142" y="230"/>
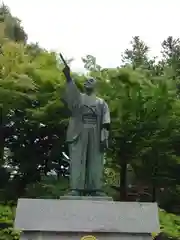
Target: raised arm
<point x="72" y="93"/>
<point x="66" y="69"/>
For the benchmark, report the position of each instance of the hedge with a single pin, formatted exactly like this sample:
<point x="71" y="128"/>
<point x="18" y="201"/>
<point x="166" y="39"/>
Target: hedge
<point x="6" y="224"/>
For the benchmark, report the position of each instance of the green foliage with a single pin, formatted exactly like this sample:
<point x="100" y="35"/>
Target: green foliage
<point x="48" y="187"/>
<point x="7" y="217"/>
<point x="9" y="234"/>
<point x="170" y="224"/>
<point x="137" y="56"/>
<point x="11" y="26"/>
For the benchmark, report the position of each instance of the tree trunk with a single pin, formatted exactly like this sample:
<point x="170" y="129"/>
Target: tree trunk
<point x="154" y="179"/>
<point x="2" y="140"/>
<point x="153" y="194"/>
<point x="123" y="180"/>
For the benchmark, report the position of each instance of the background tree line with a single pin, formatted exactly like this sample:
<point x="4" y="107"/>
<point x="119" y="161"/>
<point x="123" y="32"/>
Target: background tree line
<point x="143" y="162"/>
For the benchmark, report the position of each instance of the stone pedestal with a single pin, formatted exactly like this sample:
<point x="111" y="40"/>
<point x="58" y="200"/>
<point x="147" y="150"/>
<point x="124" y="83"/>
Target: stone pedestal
<point x="73" y="219"/>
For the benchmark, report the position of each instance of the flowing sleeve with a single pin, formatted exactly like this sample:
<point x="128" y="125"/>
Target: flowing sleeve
<point x="106" y="114"/>
<point x="72" y="95"/>
<point x="105" y="125"/>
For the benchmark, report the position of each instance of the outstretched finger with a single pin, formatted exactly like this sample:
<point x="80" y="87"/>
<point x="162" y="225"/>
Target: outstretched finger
<point x="63" y="60"/>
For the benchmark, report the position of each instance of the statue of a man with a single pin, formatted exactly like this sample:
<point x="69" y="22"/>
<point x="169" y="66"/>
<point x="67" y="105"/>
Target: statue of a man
<point x="87" y="136"/>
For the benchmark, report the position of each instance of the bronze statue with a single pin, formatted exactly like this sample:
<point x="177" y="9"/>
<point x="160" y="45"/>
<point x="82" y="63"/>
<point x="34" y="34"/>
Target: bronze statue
<point x="87" y="136"/>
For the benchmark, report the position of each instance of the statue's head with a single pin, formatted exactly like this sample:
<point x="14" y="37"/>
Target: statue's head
<point x="90" y="85"/>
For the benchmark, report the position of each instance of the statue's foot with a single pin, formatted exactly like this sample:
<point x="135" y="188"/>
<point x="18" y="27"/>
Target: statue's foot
<point x="73" y="193"/>
<point x="99" y="194"/>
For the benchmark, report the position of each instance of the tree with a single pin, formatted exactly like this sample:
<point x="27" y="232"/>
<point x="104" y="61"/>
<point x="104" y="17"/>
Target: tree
<point x="141" y="111"/>
<point x="90" y="63"/>
<point x="39" y="126"/>
<point x="15" y="85"/>
<point x="137" y="55"/>
<point x="171" y="53"/>
<point x="12" y="25"/>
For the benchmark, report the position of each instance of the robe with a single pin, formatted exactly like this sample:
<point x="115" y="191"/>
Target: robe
<point x="84" y="134"/>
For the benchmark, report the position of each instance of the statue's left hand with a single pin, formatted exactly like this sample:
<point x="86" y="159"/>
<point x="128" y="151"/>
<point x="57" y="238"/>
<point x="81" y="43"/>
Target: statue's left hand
<point x="103" y="146"/>
<point x="104" y="139"/>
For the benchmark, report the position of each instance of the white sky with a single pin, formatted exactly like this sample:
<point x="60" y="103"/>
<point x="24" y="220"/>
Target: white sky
<point x="102" y="28"/>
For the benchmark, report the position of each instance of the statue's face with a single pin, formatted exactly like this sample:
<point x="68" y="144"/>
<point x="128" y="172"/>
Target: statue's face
<point x="89" y="85"/>
<point x="89" y="91"/>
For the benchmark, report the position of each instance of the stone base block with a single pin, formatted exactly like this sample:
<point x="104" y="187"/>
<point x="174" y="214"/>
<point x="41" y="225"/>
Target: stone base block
<point x="72" y="219"/>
